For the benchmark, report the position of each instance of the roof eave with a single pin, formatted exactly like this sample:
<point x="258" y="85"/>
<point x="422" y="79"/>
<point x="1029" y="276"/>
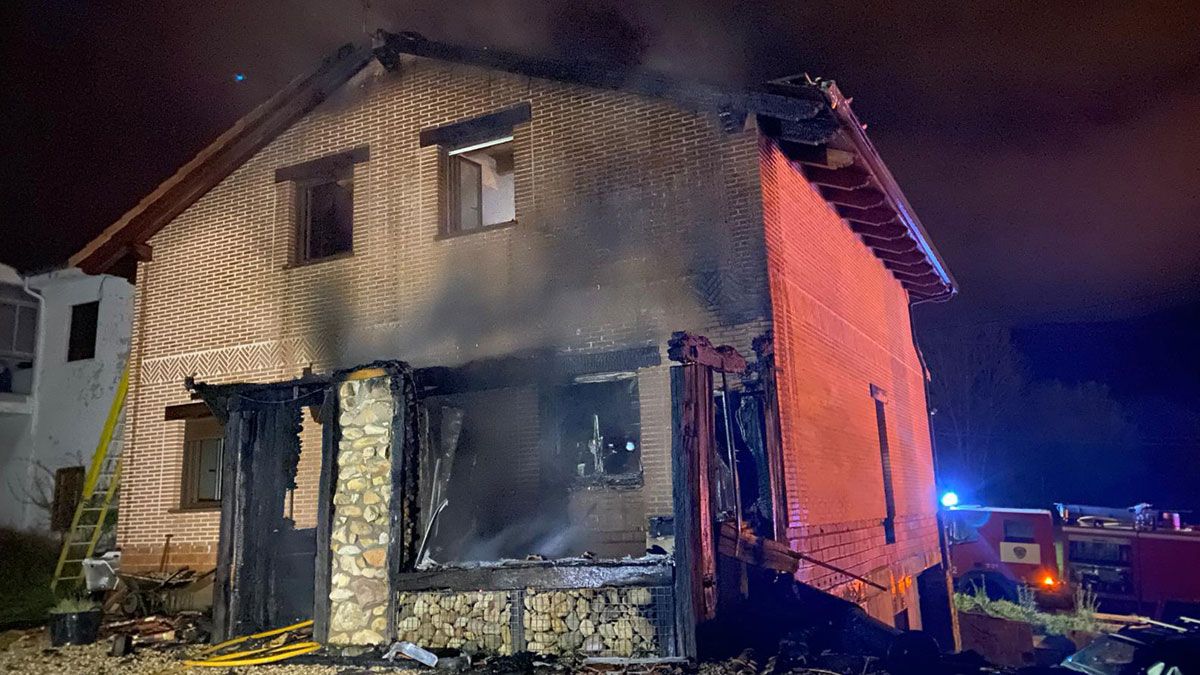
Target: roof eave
<point x="865" y="149"/>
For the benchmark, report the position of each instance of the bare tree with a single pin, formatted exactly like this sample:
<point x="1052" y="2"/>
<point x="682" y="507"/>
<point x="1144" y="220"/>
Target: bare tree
<point x="977" y="380"/>
<point x="34" y="486"/>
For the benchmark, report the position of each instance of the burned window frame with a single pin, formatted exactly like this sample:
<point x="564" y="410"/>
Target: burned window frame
<point x="338" y="168"/>
<point x="568" y="458"/>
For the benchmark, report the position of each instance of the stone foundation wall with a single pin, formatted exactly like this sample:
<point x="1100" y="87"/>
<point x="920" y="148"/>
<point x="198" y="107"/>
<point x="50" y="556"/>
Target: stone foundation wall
<point x="359" y="537"/>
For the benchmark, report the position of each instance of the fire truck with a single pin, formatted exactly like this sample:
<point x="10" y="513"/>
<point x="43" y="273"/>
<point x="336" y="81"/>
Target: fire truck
<point x="1138" y="560"/>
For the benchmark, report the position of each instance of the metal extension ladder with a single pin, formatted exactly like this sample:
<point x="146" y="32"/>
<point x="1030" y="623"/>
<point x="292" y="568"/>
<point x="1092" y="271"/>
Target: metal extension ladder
<point x="99" y="496"/>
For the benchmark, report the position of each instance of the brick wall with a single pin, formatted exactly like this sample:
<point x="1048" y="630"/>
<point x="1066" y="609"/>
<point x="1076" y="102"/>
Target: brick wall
<point x="841" y="325"/>
<point x="635" y="218"/>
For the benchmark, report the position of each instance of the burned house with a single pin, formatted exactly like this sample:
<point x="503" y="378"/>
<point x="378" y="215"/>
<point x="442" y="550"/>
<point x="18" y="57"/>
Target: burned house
<point x="495" y="353"/>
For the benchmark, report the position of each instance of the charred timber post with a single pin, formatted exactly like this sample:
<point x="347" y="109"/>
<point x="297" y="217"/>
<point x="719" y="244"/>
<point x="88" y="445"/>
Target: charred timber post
<point x="764" y="349"/>
<point x="692" y="477"/>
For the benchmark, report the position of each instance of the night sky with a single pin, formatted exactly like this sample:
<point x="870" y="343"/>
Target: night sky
<point x="1052" y="150"/>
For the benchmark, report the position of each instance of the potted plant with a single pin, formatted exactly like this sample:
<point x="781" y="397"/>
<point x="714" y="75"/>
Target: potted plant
<point x="74" y="621"/>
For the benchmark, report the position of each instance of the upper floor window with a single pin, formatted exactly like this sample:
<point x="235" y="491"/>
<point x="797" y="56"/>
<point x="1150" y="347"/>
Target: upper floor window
<point x="478" y="169"/>
<point x="324" y="225"/>
<point x="84" y="320"/>
<point x="479" y="186"/>
<point x="325" y="216"/>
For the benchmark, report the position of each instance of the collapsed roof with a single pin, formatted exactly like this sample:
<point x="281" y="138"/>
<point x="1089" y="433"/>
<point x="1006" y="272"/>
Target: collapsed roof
<point x="809" y="119"/>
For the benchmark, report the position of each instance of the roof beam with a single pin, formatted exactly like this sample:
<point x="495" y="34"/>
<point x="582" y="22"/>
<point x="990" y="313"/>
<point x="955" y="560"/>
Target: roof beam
<point x="877" y="216"/>
<point x="849" y="178"/>
<point x="886" y="231"/>
<point x="900" y="245"/>
<point x="859" y="199"/>
<point x="907" y="259"/>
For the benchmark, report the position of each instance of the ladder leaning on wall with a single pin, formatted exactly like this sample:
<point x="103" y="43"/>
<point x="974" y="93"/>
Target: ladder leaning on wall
<point x="99" y="496"/>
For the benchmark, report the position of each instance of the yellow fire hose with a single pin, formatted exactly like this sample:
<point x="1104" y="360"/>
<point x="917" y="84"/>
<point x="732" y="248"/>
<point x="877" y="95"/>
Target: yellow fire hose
<point x="254" y="657"/>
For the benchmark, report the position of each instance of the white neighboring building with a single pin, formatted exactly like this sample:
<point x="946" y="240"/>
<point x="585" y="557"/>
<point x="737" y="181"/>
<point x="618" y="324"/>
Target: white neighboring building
<point x="64" y="340"/>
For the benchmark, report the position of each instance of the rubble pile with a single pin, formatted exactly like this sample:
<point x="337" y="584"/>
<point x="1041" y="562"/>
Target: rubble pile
<point x="594" y="622"/>
<point x="359" y="538"/>
<point x="474" y="622"/>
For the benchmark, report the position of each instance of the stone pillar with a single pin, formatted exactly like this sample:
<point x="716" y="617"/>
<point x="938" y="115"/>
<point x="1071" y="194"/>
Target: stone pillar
<point x="360" y="536"/>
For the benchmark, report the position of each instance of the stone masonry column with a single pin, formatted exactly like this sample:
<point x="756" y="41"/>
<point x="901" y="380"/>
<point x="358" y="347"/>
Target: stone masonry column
<point x="360" y="532"/>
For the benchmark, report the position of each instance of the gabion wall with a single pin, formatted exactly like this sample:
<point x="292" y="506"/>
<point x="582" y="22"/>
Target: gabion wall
<point x="475" y="621"/>
<point x="629" y="622"/>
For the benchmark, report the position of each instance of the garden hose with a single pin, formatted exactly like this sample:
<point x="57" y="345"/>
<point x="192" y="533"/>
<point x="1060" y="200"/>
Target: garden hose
<point x="261" y="655"/>
<point x="266" y="633"/>
<point x="248" y="658"/>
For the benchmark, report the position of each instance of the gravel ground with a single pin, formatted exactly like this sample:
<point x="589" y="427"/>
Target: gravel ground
<point x="30" y="652"/>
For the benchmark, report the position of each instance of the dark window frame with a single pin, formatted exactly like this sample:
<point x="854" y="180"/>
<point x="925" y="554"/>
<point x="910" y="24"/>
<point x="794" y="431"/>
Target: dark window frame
<point x="198" y="430"/>
<point x="450" y="187"/>
<point x="83" y="331"/>
<point x="311" y="174"/>
<point x="303" y="225"/>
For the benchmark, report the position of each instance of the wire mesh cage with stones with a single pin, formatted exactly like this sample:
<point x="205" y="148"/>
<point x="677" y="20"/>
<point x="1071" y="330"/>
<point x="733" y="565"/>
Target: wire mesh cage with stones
<point x="625" y="622"/>
<point x="473" y="621"/>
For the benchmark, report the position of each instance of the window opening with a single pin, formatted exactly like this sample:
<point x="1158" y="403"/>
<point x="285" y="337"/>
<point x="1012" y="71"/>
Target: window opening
<point x="480" y="186"/>
<point x="325" y="216"/>
<point x="1018" y="531"/>
<point x="885" y="459"/>
<point x="84" y="320"/>
<point x="203" y="448"/>
<point x="600" y="428"/>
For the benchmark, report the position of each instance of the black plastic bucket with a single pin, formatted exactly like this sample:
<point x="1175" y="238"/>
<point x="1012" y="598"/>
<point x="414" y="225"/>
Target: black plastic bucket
<point x="75" y="628"/>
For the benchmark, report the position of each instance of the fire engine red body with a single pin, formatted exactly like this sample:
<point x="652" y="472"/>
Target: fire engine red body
<point x="1002" y="548"/>
<point x="1140" y="562"/>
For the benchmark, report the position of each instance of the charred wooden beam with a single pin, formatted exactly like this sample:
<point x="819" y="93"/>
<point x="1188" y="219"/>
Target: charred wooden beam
<point x="866" y="198"/>
<point x="846" y="179"/>
<point x="776" y="555"/>
<point x="331" y="435"/>
<point x="687" y="348"/>
<point x="187" y="411"/>
<point x="691" y="481"/>
<point x="535" y="575"/>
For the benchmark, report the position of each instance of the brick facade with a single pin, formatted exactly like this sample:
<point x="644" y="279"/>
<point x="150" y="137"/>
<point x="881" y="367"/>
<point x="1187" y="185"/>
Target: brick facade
<point x="842" y="325"/>
<point x="635" y="218"/>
